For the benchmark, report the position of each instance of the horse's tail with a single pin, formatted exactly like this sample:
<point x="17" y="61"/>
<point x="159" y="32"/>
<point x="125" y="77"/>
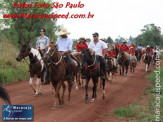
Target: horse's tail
<point x="76" y="61"/>
<point x="4" y="95"/>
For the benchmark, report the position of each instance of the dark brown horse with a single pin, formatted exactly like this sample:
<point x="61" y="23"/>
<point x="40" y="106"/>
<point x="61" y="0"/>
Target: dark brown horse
<point x="59" y="74"/>
<point x="138" y="55"/>
<point x="36" y="66"/>
<point x="92" y="70"/>
<point x="147" y="59"/>
<point x="4" y="95"/>
<point x="123" y="61"/>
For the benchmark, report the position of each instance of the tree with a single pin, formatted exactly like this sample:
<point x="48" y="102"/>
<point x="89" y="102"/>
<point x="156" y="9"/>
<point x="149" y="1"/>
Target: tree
<point x="23" y="30"/>
<point x="109" y="40"/>
<point x="150" y="35"/>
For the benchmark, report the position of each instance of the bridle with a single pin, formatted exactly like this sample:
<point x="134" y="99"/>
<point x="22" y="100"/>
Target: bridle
<point x="51" y="62"/>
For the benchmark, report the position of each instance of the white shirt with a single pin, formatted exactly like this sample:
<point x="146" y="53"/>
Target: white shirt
<point x="64" y="44"/>
<point x="42" y="44"/>
<point x="97" y="47"/>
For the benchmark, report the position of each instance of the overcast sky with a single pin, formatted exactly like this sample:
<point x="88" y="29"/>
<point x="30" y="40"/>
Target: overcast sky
<point x="113" y="17"/>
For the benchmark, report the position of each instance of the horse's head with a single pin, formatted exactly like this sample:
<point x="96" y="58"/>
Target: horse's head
<point x="49" y="54"/>
<point x="109" y="63"/>
<point x="24" y="52"/>
<point x="86" y="55"/>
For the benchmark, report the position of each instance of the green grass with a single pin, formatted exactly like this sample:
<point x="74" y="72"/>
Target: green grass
<point x="10" y="69"/>
<point x="128" y="111"/>
<point x="144" y="113"/>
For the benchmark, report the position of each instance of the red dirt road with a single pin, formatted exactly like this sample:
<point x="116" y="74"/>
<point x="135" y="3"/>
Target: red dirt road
<point x="124" y="91"/>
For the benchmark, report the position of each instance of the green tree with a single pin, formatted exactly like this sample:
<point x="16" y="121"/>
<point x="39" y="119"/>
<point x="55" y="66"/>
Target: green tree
<point x="109" y="40"/>
<point x="150" y="35"/>
<point x="21" y="30"/>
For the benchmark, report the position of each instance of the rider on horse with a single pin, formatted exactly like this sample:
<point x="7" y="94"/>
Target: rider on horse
<point x="64" y="45"/>
<point x="81" y="45"/>
<point x="132" y="53"/>
<point x="112" y="54"/>
<point x="96" y="47"/>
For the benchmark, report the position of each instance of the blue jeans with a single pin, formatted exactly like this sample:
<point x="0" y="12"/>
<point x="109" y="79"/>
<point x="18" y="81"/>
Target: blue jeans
<point x="46" y="70"/>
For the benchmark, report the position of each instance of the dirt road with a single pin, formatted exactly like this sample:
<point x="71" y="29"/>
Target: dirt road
<point x="124" y="91"/>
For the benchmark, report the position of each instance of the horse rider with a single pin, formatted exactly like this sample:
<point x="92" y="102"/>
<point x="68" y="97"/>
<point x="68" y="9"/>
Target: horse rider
<point x="64" y="45"/>
<point x="112" y="54"/>
<point x="102" y="39"/>
<point x="124" y="47"/>
<point x="149" y="50"/>
<point x="133" y="45"/>
<point x="81" y="44"/>
<point x="42" y="45"/>
<point x="96" y="46"/>
<point x="132" y="53"/>
<point x="117" y="47"/>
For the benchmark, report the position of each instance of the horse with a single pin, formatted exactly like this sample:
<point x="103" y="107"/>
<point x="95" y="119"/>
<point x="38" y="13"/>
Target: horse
<point x="36" y="66"/>
<point x="111" y="68"/>
<point x="78" y="82"/>
<point x="133" y="63"/>
<point x="58" y="74"/>
<point x="4" y="95"/>
<point x="138" y="55"/>
<point x="146" y="60"/>
<point x="123" y="61"/>
<point x="92" y="70"/>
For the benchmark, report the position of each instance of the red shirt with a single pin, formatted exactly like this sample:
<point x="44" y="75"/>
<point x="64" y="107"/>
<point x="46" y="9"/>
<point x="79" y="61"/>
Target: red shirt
<point x="117" y="46"/>
<point x="112" y="53"/>
<point x="149" y="50"/>
<point x="134" y="47"/>
<point x="132" y="52"/>
<point x="125" y="48"/>
<point x="81" y="46"/>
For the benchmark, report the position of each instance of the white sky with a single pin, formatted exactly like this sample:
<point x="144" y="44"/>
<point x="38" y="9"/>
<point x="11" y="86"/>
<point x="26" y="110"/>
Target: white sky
<point x="112" y="17"/>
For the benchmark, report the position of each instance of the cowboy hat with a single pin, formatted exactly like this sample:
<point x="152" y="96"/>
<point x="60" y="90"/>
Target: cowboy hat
<point x="148" y="46"/>
<point x="124" y="41"/>
<point x="63" y="31"/>
<point x="82" y="37"/>
<point x="131" y="47"/>
<point x="102" y="39"/>
<point x="113" y="46"/>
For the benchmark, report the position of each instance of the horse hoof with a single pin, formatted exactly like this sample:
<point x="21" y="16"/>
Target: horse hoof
<point x="68" y="104"/>
<point x="60" y="106"/>
<point x="92" y="100"/>
<point x="54" y="108"/>
<point x="103" y="97"/>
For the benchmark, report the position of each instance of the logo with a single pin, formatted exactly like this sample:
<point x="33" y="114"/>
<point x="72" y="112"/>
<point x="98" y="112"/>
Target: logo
<point x="17" y="112"/>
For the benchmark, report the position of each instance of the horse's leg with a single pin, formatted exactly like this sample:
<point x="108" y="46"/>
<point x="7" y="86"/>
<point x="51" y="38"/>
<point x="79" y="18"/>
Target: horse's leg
<point x="146" y="67"/>
<point x="103" y="91"/>
<point x="30" y="82"/>
<point x="69" y="92"/>
<point x="86" y="88"/>
<point x="95" y="80"/>
<point x="57" y="88"/>
<point x="127" y="69"/>
<point x="123" y="70"/>
<point x="37" y="86"/>
<point x="120" y="69"/>
<point x="76" y="82"/>
<point x="63" y="93"/>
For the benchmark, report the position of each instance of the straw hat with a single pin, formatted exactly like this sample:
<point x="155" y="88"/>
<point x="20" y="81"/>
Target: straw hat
<point x="102" y="39"/>
<point x="131" y="47"/>
<point x="148" y="46"/>
<point x="62" y="32"/>
<point x="113" y="46"/>
<point x="124" y="41"/>
<point x="82" y="37"/>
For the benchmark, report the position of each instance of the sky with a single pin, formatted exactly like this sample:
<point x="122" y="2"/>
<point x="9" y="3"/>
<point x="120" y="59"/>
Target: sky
<point x="112" y="17"/>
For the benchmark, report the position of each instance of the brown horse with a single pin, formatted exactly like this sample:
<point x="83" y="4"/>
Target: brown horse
<point x="133" y="63"/>
<point x="36" y="66"/>
<point x="111" y="68"/>
<point x="138" y="55"/>
<point x="123" y="61"/>
<point x="147" y="59"/>
<point x="58" y="74"/>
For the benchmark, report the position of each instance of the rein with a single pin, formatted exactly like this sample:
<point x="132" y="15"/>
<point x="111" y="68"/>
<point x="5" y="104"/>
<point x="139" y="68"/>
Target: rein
<point x="93" y="62"/>
<point x="54" y="62"/>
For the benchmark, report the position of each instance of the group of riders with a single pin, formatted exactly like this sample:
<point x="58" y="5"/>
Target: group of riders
<point x="97" y="46"/>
